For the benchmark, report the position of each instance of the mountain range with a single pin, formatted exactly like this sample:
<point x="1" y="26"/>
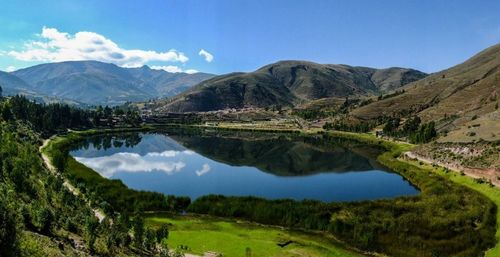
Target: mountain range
<point x="459" y="99"/>
<point x="93" y="82"/>
<point x="288" y="83"/>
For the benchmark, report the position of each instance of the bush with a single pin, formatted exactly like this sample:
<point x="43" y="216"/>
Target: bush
<point x="42" y="219"/>
<point x="8" y="230"/>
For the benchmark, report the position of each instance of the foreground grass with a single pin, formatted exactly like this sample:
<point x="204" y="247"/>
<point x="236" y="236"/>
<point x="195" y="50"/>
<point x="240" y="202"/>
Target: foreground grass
<point x="202" y="234"/>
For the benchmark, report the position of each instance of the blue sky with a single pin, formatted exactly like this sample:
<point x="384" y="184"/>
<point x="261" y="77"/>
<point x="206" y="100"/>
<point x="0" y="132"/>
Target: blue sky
<point x="244" y="35"/>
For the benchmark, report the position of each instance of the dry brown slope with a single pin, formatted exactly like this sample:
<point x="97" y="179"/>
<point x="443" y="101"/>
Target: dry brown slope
<point x="468" y="89"/>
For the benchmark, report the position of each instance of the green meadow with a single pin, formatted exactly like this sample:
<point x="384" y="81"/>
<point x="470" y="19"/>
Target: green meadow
<point x="237" y="238"/>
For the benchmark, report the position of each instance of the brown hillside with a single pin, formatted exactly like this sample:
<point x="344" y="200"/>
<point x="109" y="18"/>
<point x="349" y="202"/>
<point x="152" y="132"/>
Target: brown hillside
<point x="465" y="90"/>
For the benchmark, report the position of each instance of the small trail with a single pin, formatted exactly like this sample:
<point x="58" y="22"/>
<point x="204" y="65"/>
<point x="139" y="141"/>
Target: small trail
<point x="99" y="214"/>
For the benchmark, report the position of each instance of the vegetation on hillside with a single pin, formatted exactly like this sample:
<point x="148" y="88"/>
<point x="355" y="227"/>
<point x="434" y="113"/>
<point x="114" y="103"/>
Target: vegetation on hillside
<point x="452" y="98"/>
<point x="39" y="215"/>
<point x="412" y="129"/>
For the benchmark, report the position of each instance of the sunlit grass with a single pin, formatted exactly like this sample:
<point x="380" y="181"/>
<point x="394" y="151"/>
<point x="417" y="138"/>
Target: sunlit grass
<point x="233" y="238"/>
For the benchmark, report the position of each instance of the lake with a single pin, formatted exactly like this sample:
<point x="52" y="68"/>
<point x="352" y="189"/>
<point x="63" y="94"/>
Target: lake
<point x="272" y="166"/>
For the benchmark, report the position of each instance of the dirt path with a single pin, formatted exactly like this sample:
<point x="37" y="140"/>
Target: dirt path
<point x="46" y="160"/>
<point x="488" y="174"/>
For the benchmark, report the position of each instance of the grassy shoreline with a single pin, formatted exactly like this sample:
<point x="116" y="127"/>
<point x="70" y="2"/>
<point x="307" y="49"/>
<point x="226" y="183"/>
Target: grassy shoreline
<point x="390" y="159"/>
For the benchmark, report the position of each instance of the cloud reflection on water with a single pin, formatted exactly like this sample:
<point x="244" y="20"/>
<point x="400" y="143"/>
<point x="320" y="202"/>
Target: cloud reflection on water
<point x="107" y="166"/>
<point x="205" y="169"/>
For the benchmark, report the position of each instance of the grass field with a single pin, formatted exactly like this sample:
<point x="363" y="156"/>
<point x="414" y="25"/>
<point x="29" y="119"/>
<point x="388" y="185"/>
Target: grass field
<point x="202" y="234"/>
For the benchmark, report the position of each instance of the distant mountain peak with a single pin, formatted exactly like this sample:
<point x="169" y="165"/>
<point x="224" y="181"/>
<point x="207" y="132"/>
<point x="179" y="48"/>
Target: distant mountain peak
<point x="95" y="82"/>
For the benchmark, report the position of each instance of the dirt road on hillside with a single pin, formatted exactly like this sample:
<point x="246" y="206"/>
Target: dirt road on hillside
<point x="48" y="164"/>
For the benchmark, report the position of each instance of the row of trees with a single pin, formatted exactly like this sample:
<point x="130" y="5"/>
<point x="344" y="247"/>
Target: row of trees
<point x="412" y="129"/>
<point x="55" y="117"/>
<point x="312" y="114"/>
<point x="344" y="126"/>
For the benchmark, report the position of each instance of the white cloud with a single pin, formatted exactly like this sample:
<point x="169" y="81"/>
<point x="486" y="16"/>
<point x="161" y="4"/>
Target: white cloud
<point x="170" y="153"/>
<point x="208" y="56"/>
<point x="10" y="69"/>
<point x="55" y="46"/>
<point x="191" y="71"/>
<point x="168" y="68"/>
<point x="204" y="170"/>
<point x="173" y="69"/>
<point x="107" y="166"/>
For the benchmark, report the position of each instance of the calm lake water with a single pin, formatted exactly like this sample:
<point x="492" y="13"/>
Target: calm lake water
<point x="271" y="166"/>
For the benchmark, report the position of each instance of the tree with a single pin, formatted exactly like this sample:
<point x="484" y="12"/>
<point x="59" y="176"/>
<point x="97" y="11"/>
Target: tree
<point x="162" y="233"/>
<point x="8" y="231"/>
<point x="5" y="112"/>
<point x="91" y="225"/>
<point x="42" y="218"/>
<point x="108" y="112"/>
<point x="391" y="126"/>
<point x="132" y="118"/>
<point x="149" y="240"/>
<point x="411" y="125"/>
<point x="429" y="131"/>
<point x="425" y="133"/>
<point x="59" y="160"/>
<point x="117" y="111"/>
<point x="138" y="228"/>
